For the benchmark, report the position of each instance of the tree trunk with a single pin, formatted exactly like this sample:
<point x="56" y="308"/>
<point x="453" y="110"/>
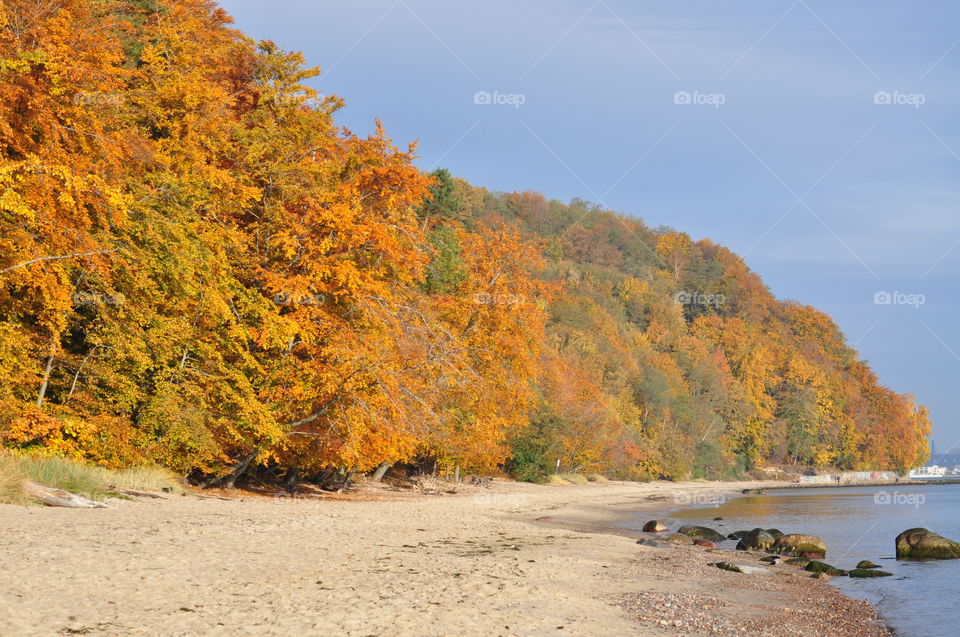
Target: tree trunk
<point x="456" y="473"/>
<point x="238" y="470"/>
<point x="380" y="472"/>
<point x="323" y="477"/>
<point x="46" y="379"/>
<point x="290" y="482"/>
<point x="347" y="481"/>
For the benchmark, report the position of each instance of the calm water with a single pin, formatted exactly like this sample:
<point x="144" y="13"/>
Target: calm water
<point x="921" y="599"/>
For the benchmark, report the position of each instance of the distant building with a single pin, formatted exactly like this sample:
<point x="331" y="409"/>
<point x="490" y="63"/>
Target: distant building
<point x="926" y="473"/>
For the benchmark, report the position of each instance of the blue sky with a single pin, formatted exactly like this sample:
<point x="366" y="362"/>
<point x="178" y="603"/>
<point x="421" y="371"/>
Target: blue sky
<point x="817" y="139"/>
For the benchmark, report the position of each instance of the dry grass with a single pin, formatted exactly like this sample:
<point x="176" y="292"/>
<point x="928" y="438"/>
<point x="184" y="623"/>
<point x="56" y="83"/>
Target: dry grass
<point x="89" y="481"/>
<point x="143" y="478"/>
<point x="11" y="479"/>
<point x="567" y="478"/>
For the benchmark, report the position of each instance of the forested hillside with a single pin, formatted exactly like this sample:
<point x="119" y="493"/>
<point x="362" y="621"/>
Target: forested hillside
<point x="200" y="269"/>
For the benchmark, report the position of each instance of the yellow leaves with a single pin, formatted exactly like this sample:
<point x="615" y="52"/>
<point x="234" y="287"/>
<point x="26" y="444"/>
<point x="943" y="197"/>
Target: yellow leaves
<point x="13" y="203"/>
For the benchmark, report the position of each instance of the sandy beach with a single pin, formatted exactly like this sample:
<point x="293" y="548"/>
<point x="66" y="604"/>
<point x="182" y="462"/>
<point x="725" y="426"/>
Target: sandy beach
<point x="511" y="559"/>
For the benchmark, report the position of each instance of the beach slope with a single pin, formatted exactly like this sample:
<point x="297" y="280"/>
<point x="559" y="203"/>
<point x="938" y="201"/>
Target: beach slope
<point x="512" y="559"/>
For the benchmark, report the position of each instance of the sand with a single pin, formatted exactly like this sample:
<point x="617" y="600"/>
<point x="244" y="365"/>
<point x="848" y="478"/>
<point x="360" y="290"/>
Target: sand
<point x="512" y="559"/>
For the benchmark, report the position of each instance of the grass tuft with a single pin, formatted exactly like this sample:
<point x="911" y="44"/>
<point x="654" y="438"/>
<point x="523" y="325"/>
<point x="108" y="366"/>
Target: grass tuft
<point x="87" y="480"/>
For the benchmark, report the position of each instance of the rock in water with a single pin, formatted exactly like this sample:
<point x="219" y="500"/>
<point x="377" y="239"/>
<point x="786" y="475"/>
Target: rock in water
<point x="868" y="572"/>
<point x="755" y="539"/>
<point x="702" y="532"/>
<point x="776" y="533"/>
<point x="736" y="535"/>
<point x="655" y="526"/>
<point x="924" y="544"/>
<point x="821" y="567"/>
<point x="867" y="564"/>
<point x="679" y="538"/>
<point x="799" y="545"/>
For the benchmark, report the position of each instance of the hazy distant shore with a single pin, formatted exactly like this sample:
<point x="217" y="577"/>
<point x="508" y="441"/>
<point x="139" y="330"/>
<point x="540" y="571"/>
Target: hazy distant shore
<point x="514" y="559"/>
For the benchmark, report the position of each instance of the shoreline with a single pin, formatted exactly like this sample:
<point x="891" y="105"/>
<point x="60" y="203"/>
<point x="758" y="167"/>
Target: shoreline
<point x="513" y="559"/>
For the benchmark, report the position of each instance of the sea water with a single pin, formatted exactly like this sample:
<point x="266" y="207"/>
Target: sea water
<point x="921" y="599"/>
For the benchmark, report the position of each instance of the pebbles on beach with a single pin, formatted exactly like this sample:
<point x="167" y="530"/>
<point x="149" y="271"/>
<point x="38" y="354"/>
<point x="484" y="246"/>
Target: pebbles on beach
<point x="737" y="604"/>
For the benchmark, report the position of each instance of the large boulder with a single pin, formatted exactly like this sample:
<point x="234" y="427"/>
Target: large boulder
<point x="736" y="535"/>
<point x="800" y="545"/>
<point x="776" y="533"/>
<point x="924" y="544"/>
<point x="702" y="533"/>
<point x="655" y="526"/>
<point x="679" y="538"/>
<point x="757" y="539"/>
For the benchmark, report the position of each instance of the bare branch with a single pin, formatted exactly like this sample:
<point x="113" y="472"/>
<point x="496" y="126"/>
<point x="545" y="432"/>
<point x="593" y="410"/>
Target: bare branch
<point x="57" y="258"/>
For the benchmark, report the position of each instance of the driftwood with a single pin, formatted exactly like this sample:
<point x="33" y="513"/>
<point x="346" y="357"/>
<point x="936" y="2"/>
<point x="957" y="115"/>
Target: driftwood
<point x="60" y="498"/>
<point x="434" y="486"/>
